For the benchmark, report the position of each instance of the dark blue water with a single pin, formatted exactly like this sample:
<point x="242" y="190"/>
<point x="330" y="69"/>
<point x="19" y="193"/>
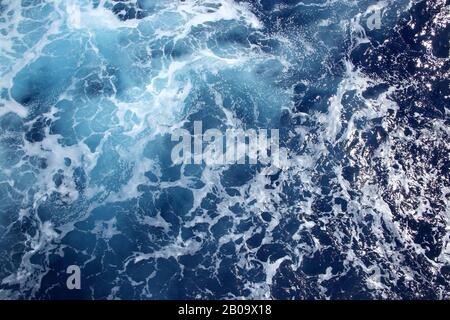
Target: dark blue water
<point x="90" y="92"/>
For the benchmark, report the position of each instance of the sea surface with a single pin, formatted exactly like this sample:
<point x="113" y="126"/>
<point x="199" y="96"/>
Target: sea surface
<point x="91" y="90"/>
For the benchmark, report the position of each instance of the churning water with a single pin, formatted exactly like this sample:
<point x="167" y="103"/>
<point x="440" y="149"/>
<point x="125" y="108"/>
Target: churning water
<point x="90" y="92"/>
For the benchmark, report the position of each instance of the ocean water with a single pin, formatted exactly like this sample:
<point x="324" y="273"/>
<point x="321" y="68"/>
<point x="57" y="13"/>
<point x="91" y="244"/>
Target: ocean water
<point x="91" y="90"/>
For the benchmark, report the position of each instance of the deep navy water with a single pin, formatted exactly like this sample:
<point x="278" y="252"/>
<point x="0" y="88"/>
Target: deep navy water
<point x="90" y="91"/>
